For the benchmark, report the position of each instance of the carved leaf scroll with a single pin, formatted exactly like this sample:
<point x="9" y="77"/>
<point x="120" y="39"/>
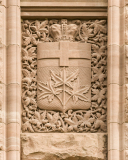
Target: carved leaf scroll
<point x="37" y="120"/>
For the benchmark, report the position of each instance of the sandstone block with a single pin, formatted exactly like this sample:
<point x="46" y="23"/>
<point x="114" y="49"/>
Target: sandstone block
<point x="55" y="146"/>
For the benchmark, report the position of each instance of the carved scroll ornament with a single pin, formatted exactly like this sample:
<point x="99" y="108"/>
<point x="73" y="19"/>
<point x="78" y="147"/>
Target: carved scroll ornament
<point x="92" y="119"/>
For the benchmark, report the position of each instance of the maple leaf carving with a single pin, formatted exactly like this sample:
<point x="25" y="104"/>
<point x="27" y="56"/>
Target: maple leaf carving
<point x="78" y="93"/>
<point x="98" y="26"/>
<point x="100" y="122"/>
<point x="57" y="84"/>
<point x="63" y="79"/>
<point x="48" y="91"/>
<point x="85" y="32"/>
<point x="98" y="74"/>
<point x="27" y="126"/>
<point x="98" y="51"/>
<point x="99" y="95"/>
<point x="73" y="123"/>
<point x="86" y="120"/>
<point x="27" y="38"/>
<point x="41" y="29"/>
<point x="52" y="120"/>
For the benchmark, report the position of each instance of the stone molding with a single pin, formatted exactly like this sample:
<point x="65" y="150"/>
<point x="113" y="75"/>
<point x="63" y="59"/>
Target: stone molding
<point x="13" y="83"/>
<point x="2" y="81"/>
<point x="58" y="9"/>
<point x="116" y="85"/>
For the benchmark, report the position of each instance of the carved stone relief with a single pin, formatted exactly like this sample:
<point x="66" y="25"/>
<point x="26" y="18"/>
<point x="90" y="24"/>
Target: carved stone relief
<point x="66" y="85"/>
<point x="45" y="98"/>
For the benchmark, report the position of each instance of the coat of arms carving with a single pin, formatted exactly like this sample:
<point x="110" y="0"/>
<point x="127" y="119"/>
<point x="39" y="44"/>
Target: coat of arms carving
<point x="64" y="76"/>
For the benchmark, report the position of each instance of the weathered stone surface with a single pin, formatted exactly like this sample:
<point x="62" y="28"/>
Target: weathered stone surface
<point x="62" y="146"/>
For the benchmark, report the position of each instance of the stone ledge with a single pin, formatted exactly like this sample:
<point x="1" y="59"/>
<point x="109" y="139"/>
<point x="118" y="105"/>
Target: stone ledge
<point x="61" y="146"/>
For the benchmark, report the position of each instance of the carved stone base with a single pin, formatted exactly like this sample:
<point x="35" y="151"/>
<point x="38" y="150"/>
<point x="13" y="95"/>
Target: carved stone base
<point x="56" y="146"/>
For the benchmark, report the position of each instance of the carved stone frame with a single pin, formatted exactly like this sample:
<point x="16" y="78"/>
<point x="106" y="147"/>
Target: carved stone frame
<point x="116" y="82"/>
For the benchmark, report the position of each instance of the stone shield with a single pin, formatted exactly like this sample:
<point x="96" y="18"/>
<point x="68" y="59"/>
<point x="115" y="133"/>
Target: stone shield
<point x="64" y="76"/>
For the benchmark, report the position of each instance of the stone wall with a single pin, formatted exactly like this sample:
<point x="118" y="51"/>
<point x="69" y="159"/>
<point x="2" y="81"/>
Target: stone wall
<point x="90" y="145"/>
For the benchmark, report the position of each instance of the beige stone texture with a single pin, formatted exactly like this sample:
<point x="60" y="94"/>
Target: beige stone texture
<point x="92" y="1"/>
<point x="13" y="102"/>
<point x="13" y="58"/>
<point x="13" y="140"/>
<point x="13" y="80"/>
<point x="122" y="104"/>
<point x="67" y="14"/>
<point x="73" y="9"/>
<point x="113" y="130"/>
<point x="113" y="64"/>
<point x="116" y="81"/>
<point x="13" y="155"/>
<point x="63" y="146"/>
<point x="113" y="30"/>
<point x="64" y="3"/>
<point x="3" y="80"/>
<point x="13" y="3"/>
<point x="13" y="27"/>
<point x="114" y="154"/>
<point x="113" y="102"/>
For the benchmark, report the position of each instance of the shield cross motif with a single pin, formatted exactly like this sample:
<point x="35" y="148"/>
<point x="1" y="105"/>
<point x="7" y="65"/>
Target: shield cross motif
<point x="64" y="76"/>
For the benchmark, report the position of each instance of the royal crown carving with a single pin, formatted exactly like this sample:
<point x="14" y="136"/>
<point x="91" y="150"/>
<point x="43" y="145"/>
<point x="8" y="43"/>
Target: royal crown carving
<point x="64" y="31"/>
<point x="64" y="80"/>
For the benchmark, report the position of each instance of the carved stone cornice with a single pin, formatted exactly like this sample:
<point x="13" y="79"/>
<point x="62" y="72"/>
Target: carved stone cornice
<point x="63" y="9"/>
<point x="33" y="8"/>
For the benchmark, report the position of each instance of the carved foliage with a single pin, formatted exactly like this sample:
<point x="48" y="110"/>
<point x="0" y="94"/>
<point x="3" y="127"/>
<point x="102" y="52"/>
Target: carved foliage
<point x="60" y="86"/>
<point x="36" y="120"/>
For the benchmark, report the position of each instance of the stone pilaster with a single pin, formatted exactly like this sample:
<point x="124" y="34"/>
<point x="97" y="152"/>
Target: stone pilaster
<point x="2" y="80"/>
<point x="116" y="79"/>
<point x="13" y="79"/>
<point x="126" y="83"/>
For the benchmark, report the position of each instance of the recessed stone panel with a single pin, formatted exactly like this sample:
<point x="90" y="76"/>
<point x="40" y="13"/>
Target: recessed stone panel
<point x="64" y="84"/>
